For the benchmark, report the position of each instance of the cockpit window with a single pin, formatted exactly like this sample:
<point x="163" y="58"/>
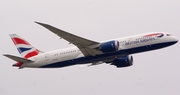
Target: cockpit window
<point x="168" y="34"/>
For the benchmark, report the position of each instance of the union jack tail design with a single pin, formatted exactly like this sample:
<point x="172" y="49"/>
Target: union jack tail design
<point x="25" y="49"/>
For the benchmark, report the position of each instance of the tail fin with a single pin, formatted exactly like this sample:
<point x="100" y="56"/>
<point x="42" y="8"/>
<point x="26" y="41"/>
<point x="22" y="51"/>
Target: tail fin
<point x="25" y="49"/>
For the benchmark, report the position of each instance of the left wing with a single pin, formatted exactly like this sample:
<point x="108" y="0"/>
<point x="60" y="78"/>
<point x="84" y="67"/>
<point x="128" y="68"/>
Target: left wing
<point x="86" y="46"/>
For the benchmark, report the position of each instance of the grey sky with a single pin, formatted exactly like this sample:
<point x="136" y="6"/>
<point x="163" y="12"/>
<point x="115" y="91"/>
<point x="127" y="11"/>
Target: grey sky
<point x="153" y="73"/>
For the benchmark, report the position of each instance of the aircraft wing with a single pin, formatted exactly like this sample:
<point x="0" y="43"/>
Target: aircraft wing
<point x="86" y="46"/>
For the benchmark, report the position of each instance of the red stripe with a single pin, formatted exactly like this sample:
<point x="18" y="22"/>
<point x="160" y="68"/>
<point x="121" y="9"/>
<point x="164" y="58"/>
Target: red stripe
<point x="31" y="54"/>
<point x="18" y="64"/>
<point x="19" y="41"/>
<point x="153" y="34"/>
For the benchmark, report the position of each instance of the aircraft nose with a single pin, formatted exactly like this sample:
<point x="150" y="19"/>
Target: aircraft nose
<point x="175" y="39"/>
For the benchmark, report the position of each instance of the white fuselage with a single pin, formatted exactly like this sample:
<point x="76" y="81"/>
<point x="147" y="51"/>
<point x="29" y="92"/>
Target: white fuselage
<point x="128" y="45"/>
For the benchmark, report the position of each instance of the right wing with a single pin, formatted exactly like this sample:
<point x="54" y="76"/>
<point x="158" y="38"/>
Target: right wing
<point x="86" y="46"/>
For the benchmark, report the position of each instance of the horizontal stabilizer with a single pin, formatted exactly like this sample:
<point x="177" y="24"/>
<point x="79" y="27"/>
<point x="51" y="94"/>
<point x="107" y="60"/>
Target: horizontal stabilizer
<point x="18" y="59"/>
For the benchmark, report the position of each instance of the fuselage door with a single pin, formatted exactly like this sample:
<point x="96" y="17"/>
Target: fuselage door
<point x="47" y="58"/>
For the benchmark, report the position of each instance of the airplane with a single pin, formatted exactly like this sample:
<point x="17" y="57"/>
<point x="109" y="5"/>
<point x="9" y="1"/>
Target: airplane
<point x="117" y="52"/>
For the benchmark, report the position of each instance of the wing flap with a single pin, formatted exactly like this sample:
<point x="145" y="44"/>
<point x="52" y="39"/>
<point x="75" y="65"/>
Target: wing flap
<point x="96" y="63"/>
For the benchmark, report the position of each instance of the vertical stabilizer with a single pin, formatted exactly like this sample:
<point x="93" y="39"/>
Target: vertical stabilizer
<point x="25" y="49"/>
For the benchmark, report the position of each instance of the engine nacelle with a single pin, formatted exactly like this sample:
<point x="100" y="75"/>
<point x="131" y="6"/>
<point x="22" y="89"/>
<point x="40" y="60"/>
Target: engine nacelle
<point x="123" y="61"/>
<point x="111" y="46"/>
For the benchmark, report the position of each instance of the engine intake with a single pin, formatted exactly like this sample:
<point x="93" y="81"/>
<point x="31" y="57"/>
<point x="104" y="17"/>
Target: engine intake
<point x="123" y="61"/>
<point x="108" y="47"/>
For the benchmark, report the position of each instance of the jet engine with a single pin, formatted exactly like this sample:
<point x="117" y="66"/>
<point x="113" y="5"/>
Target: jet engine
<point x="108" y="47"/>
<point x="123" y="61"/>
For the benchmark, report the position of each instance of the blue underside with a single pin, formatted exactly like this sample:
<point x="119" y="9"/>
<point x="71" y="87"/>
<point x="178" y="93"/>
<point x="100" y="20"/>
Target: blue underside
<point x="90" y="59"/>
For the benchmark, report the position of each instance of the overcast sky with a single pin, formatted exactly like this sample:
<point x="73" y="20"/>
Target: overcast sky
<point x="153" y="73"/>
